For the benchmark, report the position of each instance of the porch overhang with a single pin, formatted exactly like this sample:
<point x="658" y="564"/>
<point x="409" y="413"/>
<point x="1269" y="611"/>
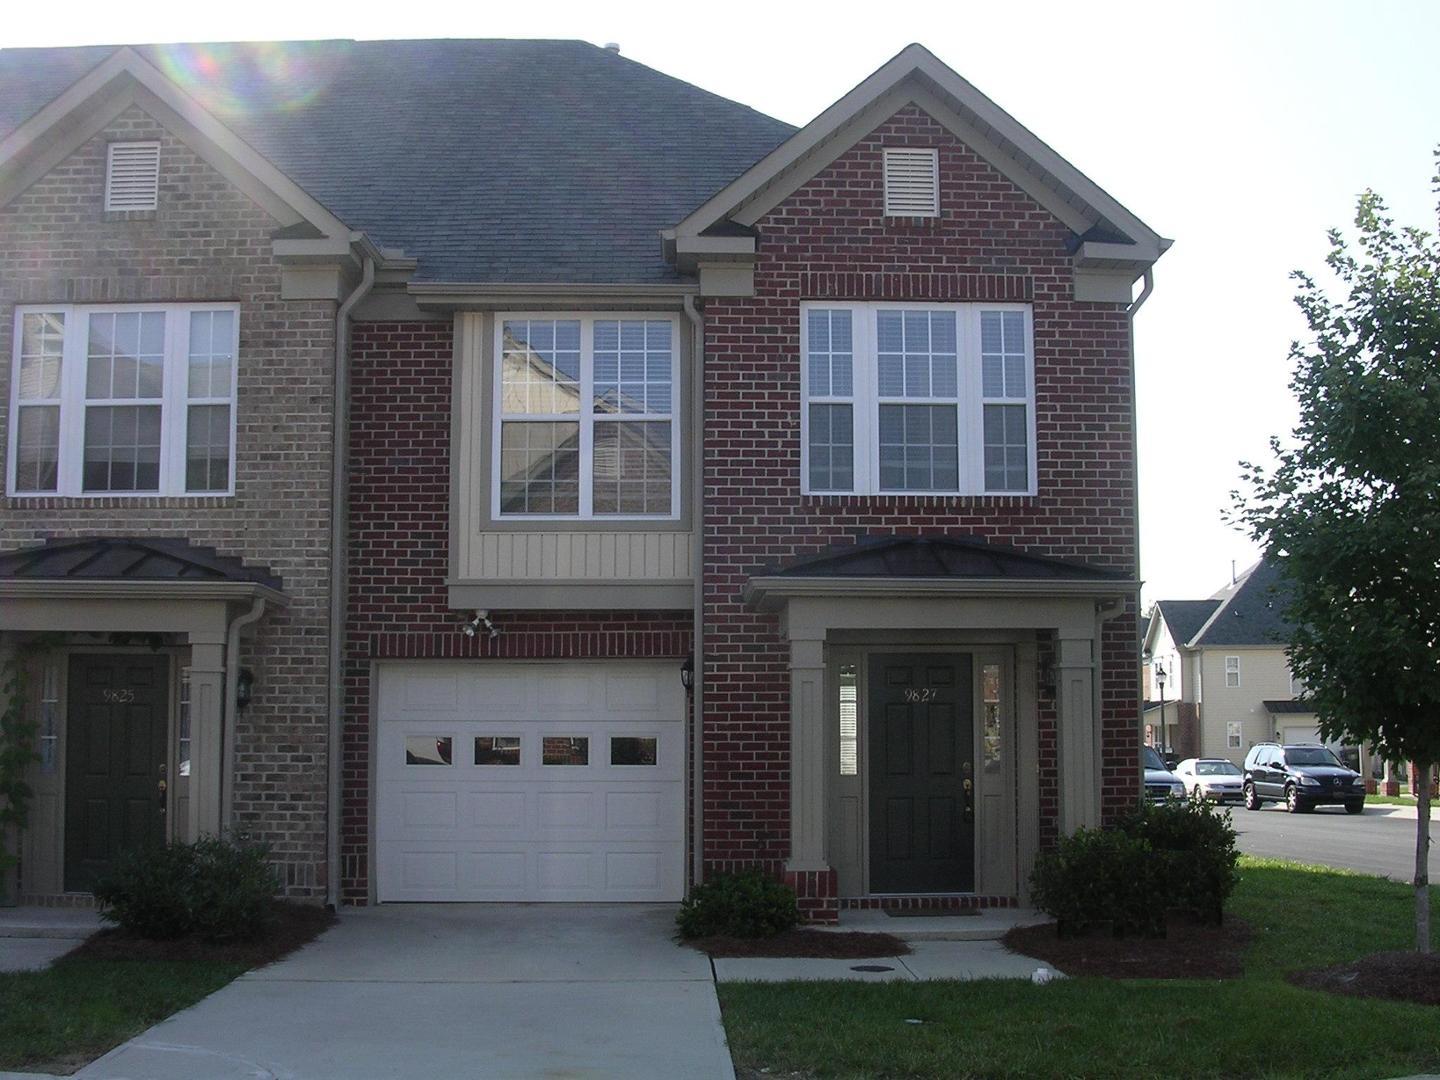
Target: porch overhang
<point x="772" y="593"/>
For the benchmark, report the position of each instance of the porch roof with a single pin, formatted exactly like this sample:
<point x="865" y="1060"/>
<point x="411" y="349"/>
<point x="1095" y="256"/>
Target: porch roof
<point x="97" y="559"/>
<point x="939" y="557"/>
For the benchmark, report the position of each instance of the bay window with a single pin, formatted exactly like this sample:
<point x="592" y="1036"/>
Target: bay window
<point x="123" y="399"/>
<point x="585" y="417"/>
<point x="917" y="398"/>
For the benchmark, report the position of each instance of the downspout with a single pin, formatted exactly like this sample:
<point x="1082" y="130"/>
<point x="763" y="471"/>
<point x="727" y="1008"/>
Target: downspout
<point x="697" y="524"/>
<point x="339" y="510"/>
<point x="1135" y="306"/>
<point x="229" y="713"/>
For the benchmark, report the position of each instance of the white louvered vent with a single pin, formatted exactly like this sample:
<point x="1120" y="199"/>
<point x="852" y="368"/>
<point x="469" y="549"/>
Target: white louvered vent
<point x="132" y="176"/>
<point x="912" y="183"/>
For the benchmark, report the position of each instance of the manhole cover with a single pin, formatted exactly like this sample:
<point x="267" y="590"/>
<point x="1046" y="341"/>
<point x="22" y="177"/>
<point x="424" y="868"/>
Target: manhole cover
<point x="870" y="967"/>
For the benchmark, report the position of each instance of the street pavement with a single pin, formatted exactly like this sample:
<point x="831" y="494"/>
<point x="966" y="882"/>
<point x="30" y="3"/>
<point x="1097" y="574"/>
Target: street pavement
<point x="1378" y="841"/>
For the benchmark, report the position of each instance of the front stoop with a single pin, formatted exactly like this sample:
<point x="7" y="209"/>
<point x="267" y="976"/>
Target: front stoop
<point x="990" y="924"/>
<point x="48" y="922"/>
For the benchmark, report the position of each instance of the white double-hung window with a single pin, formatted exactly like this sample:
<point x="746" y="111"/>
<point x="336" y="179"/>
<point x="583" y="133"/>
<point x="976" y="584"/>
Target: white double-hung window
<point x="123" y="399"/>
<point x="917" y="398"/>
<point x="585" y="423"/>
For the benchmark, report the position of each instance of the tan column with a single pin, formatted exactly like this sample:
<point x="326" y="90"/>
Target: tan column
<point x="1079" y="735"/>
<point x="207" y="696"/>
<point x="808" y="772"/>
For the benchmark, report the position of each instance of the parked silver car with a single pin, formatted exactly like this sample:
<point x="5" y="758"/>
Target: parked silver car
<point x="1216" y="779"/>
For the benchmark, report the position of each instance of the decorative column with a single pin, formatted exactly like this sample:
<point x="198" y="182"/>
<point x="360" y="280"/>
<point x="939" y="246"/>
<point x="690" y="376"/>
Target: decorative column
<point x="1079" y="735"/>
<point x="207" y="711"/>
<point x="807" y="870"/>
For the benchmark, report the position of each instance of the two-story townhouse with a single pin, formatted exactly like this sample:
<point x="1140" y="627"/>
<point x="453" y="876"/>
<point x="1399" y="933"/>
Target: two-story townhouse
<point x="714" y="493"/>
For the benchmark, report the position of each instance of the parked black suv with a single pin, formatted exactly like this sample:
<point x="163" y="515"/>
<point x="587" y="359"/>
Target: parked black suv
<point x="1302" y="776"/>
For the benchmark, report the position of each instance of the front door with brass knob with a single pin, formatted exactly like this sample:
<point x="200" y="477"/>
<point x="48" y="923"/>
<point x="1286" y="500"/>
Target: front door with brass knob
<point x="117" y="721"/>
<point x="921" y="773"/>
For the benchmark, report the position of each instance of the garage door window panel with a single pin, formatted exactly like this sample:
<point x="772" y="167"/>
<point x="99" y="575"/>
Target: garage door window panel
<point x="429" y="750"/>
<point x="634" y="750"/>
<point x="497" y="750"/>
<point x="562" y="750"/>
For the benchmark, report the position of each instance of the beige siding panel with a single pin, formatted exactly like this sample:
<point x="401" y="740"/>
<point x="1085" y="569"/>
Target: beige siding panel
<point x="575" y="556"/>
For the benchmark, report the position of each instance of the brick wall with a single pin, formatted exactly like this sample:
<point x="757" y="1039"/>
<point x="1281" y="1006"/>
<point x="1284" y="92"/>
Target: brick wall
<point x="399" y="558"/>
<point x="830" y="239"/>
<point x="208" y="242"/>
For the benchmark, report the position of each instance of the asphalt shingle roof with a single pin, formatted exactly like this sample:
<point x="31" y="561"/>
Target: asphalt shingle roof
<point x="939" y="557"/>
<point x="128" y="558"/>
<point x="489" y="160"/>
<point x="1185" y="617"/>
<point x="1253" y="614"/>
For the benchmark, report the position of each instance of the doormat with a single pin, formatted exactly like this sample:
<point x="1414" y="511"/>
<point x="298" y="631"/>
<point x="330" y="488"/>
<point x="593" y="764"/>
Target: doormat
<point x="929" y="912"/>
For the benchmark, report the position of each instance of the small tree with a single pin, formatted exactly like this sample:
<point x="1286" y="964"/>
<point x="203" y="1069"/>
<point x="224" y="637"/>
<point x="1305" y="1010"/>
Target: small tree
<point x="1351" y="511"/>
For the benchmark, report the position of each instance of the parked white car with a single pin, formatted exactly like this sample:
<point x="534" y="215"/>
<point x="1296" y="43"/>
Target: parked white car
<point x="1217" y="779"/>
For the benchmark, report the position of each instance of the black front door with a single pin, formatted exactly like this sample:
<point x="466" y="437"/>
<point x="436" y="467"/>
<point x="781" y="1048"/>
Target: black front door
<point x="922" y="818"/>
<point x="116" y="727"/>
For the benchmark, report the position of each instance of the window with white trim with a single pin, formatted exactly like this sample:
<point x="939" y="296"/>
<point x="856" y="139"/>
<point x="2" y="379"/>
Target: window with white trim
<point x="917" y="398"/>
<point x="123" y="399"/>
<point x="585" y="417"/>
<point x="1232" y="734"/>
<point x="1232" y="671"/>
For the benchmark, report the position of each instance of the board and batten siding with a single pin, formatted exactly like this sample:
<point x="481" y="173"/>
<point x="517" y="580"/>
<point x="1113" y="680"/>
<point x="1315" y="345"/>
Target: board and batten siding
<point x="592" y="554"/>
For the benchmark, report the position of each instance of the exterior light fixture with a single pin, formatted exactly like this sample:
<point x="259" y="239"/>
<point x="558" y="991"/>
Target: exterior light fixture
<point x="244" y="687"/>
<point x="687" y="674"/>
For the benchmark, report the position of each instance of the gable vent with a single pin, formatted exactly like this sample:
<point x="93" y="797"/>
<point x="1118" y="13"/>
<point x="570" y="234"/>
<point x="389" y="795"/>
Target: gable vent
<point x="132" y="176"/>
<point x="912" y="183"/>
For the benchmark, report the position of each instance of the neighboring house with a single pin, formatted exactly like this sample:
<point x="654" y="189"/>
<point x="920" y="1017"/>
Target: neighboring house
<point x="1231" y="668"/>
<point x="625" y="383"/>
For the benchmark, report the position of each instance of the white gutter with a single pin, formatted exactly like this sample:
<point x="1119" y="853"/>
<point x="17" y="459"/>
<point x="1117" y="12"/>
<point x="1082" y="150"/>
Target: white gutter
<point x="1130" y="311"/>
<point x="229" y="712"/>
<point x="697" y="634"/>
<point x="339" y="510"/>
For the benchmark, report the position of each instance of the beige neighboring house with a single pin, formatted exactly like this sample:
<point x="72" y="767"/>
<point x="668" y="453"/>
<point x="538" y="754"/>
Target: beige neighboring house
<point x="1228" y="671"/>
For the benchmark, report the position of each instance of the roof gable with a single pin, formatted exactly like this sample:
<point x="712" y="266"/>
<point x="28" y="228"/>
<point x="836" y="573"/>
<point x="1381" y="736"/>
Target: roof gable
<point x="1184" y="618"/>
<point x="1253" y="613"/>
<point x="1110" y="232"/>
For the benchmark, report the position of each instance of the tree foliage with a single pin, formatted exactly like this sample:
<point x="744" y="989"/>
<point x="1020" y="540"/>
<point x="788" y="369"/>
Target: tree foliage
<point x="1350" y="510"/>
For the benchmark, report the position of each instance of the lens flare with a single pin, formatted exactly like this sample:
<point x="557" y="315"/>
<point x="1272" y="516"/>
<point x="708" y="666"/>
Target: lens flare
<point x="251" y="78"/>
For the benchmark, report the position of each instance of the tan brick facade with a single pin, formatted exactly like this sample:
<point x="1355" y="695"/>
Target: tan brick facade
<point x="209" y="242"/>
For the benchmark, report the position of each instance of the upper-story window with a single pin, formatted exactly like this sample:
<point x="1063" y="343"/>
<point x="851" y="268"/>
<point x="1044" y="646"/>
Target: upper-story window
<point x="917" y="398"/>
<point x="123" y="400"/>
<point x="1232" y="671"/>
<point x="585" y="417"/>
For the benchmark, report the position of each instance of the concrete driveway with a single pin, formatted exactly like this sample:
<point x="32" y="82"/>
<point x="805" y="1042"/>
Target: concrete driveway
<point x="455" y="991"/>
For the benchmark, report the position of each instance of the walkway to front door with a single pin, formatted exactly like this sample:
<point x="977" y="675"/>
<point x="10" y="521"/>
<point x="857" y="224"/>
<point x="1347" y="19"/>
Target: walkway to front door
<point x="456" y="990"/>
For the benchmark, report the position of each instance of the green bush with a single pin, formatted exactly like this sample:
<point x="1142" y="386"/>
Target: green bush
<point x="745" y="904"/>
<point x="1158" y="858"/>
<point x="216" y="890"/>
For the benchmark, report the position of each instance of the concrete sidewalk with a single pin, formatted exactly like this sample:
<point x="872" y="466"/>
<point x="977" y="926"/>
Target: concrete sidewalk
<point x="928" y="959"/>
<point x="33" y="938"/>
<point x="499" y="991"/>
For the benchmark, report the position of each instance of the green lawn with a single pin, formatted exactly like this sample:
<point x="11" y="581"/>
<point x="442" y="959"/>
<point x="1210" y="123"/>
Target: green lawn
<point x="78" y="1009"/>
<point x="1303" y="917"/>
<point x="1399" y="800"/>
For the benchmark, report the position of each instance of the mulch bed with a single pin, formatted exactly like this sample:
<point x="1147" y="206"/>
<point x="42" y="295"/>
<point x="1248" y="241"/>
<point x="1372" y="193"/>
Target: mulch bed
<point x="295" y="925"/>
<point x="1188" y="951"/>
<point x="1397" y="976"/>
<point x="811" y="944"/>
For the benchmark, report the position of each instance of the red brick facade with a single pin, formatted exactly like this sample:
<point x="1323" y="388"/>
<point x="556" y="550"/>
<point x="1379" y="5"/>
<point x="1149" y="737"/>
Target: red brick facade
<point x="402" y="375"/>
<point x="830" y="239"/>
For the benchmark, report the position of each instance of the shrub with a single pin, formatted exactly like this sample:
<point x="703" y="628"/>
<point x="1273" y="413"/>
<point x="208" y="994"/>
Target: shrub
<point x="745" y="904"/>
<point x="1194" y="846"/>
<point x="1160" y="857"/>
<point x="217" y="890"/>
<point x="1096" y="877"/>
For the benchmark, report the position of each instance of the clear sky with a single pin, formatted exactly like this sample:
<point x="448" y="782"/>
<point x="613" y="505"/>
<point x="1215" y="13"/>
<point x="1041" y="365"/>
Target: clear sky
<point x="1243" y="130"/>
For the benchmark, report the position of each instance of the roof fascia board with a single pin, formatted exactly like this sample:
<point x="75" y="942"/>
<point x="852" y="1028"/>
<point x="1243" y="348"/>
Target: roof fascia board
<point x="191" y="122"/>
<point x="886" y="106"/>
<point x="771" y="592"/>
<point x="90" y="589"/>
<point x="516" y="295"/>
<point x="77" y="127"/>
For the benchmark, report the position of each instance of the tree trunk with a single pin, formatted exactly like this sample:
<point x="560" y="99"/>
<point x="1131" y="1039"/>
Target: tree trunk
<point x="1422" y="857"/>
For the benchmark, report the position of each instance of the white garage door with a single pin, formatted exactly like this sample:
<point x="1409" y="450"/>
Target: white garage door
<point x="530" y="782"/>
